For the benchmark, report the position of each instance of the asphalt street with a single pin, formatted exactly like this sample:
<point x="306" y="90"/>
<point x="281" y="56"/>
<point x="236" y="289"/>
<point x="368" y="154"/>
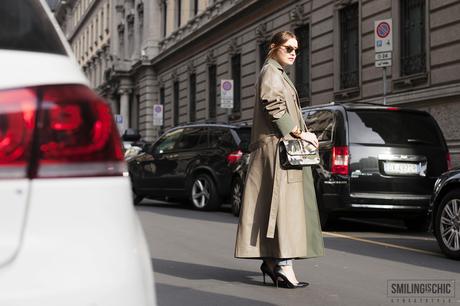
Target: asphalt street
<point x="192" y="256"/>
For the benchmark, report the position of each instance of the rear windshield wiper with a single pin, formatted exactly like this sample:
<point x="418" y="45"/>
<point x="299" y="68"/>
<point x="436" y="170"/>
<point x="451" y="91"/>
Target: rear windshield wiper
<point x="415" y="140"/>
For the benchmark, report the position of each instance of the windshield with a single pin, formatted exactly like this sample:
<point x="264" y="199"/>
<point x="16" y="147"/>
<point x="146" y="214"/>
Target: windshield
<point x="393" y="127"/>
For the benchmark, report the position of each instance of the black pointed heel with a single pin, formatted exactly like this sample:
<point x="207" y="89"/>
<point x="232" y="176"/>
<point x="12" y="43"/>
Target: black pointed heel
<point x="266" y="270"/>
<point x="279" y="273"/>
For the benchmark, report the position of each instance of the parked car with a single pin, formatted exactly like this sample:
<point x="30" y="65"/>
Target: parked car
<point x="193" y="162"/>
<point x="129" y="137"/>
<point x="68" y="232"/>
<point x="377" y="161"/>
<point x="239" y="177"/>
<point x="445" y="213"/>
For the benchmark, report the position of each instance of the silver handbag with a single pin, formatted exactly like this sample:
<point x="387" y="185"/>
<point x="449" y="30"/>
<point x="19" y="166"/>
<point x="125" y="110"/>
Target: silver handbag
<point x="297" y="153"/>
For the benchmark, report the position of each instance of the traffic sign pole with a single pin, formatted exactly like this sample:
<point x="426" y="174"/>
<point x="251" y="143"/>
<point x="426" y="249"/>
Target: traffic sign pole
<point x="384" y="85"/>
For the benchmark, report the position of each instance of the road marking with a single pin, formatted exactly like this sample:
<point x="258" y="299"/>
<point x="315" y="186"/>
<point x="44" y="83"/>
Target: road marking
<point x="390" y="245"/>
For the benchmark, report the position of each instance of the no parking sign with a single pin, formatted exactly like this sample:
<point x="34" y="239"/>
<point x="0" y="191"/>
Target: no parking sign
<point x="383" y="34"/>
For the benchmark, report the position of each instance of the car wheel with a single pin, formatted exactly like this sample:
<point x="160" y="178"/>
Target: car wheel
<point x="418" y="224"/>
<point x="203" y="193"/>
<point x="237" y="195"/>
<point x="447" y="225"/>
<point x="137" y="198"/>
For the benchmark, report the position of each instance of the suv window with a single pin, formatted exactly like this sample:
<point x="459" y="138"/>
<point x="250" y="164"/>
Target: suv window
<point x="392" y="127"/>
<point x="193" y="138"/>
<point x="322" y="123"/>
<point x="244" y="135"/>
<point x="221" y="137"/>
<point x="25" y="26"/>
<point x="168" y="142"/>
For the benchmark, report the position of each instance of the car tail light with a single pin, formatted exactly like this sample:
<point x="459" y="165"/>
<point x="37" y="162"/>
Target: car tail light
<point x="449" y="161"/>
<point x="340" y="158"/>
<point x="58" y="131"/>
<point x="393" y="108"/>
<point x="17" y="120"/>
<point x="235" y="156"/>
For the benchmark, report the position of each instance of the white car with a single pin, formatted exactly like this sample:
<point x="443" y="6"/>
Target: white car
<point x="69" y="234"/>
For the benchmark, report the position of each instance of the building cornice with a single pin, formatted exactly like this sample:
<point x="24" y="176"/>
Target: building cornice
<point x="83" y="19"/>
<point x="208" y="21"/>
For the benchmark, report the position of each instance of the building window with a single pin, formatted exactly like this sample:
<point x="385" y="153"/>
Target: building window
<point x="349" y="46"/>
<point x="263" y="52"/>
<point x="236" y="76"/>
<point x="212" y="77"/>
<point x="302" y="64"/>
<point x="195" y="7"/>
<point x="192" y="97"/>
<point x="162" y="99"/>
<point x="413" y="53"/>
<point x="176" y="103"/>
<point x="162" y="96"/>
<point x="165" y="17"/>
<point x="178" y="12"/>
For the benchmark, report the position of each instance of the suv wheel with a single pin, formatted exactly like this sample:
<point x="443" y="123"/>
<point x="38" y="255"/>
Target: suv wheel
<point x="203" y="193"/>
<point x="447" y="225"/>
<point x="418" y="224"/>
<point x="137" y="198"/>
<point x="237" y="195"/>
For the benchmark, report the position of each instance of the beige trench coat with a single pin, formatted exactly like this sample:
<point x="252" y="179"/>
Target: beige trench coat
<point x="279" y="216"/>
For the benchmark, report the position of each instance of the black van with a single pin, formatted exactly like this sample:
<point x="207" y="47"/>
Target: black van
<point x="377" y="161"/>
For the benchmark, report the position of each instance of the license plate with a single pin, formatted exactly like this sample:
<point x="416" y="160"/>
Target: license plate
<point x="401" y="168"/>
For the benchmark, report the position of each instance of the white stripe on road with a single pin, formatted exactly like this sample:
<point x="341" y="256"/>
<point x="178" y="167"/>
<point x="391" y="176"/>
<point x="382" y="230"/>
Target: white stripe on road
<point x="390" y="245"/>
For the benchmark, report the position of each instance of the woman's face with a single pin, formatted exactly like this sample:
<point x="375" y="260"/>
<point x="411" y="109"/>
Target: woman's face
<point x="287" y="52"/>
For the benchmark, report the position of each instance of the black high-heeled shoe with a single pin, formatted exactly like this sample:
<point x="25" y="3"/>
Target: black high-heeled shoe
<point x="266" y="270"/>
<point x="279" y="273"/>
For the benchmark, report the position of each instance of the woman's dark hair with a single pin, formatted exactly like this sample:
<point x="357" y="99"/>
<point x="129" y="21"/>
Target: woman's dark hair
<point x="279" y="39"/>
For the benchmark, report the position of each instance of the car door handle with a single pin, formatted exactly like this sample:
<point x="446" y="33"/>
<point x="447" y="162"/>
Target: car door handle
<point x="172" y="155"/>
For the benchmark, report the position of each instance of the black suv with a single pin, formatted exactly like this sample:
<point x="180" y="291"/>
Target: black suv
<point x="192" y="162"/>
<point x="377" y="161"/>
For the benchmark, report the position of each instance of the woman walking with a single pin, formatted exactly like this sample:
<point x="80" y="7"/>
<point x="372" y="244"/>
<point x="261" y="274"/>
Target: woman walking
<point x="279" y="219"/>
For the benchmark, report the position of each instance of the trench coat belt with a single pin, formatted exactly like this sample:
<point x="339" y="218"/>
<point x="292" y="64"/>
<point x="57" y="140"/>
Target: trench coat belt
<point x="274" y="205"/>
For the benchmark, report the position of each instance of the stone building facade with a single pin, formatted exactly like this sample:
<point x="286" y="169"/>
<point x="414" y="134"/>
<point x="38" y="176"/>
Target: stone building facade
<point x="185" y="47"/>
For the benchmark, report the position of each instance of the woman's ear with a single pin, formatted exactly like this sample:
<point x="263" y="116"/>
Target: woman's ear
<point x="272" y="46"/>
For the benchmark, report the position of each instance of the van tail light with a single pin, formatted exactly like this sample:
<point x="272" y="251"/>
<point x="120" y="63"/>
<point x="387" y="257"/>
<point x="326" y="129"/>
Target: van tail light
<point x="58" y="131"/>
<point x="340" y="159"/>
<point x="449" y="161"/>
<point x="234" y="157"/>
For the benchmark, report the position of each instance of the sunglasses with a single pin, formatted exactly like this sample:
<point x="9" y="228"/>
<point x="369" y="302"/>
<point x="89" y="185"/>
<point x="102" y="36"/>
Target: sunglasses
<point x="289" y="49"/>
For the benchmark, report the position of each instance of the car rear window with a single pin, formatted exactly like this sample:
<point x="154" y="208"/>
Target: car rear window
<point x="245" y="136"/>
<point x="393" y="127"/>
<point x="24" y="26"/>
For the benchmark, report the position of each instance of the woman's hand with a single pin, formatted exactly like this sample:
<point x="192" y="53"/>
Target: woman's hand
<point x="310" y="137"/>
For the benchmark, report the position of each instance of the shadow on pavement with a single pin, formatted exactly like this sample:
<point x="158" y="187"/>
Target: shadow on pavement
<point x="175" y="295"/>
<point x="391" y="254"/>
<point x="194" y="271"/>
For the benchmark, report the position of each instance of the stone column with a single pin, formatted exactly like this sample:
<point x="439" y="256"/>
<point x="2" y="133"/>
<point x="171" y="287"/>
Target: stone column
<point x="124" y="108"/>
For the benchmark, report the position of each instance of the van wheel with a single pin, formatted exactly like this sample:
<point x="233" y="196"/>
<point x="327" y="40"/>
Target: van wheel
<point x="418" y="224"/>
<point x="203" y="193"/>
<point x="447" y="225"/>
<point x="237" y="195"/>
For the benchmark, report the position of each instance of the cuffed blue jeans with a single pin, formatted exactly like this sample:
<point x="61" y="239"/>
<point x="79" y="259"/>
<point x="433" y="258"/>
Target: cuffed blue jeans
<point x="280" y="261"/>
